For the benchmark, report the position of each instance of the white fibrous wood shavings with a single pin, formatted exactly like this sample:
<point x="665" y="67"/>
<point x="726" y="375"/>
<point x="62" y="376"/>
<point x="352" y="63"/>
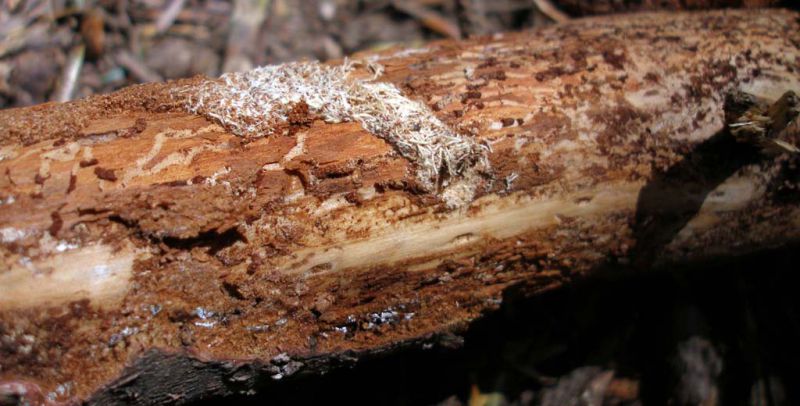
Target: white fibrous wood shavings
<point x="252" y="103"/>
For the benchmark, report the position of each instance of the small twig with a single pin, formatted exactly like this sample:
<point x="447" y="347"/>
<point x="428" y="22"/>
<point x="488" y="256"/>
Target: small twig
<point x="247" y="17"/>
<point x="783" y="139"/>
<point x="166" y="18"/>
<point x="429" y="18"/>
<point x="547" y="8"/>
<point x="69" y="77"/>
<point x="136" y="68"/>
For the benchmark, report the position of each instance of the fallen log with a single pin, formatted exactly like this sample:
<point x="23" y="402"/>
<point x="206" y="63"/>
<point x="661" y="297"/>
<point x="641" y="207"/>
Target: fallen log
<point x="586" y="8"/>
<point x="175" y="241"/>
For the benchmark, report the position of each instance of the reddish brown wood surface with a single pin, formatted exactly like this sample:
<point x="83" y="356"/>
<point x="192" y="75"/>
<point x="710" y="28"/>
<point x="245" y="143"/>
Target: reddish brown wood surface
<point x="593" y="7"/>
<point x="137" y="235"/>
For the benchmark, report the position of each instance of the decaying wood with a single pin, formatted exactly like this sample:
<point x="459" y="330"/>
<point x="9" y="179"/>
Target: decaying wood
<point x="594" y="7"/>
<point x="154" y="255"/>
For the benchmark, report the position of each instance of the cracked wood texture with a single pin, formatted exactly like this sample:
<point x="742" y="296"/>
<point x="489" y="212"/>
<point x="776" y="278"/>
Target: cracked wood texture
<point x="150" y="256"/>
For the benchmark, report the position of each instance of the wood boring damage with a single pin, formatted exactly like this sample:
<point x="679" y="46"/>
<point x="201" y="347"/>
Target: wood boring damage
<point x="174" y="241"/>
<point x="251" y="103"/>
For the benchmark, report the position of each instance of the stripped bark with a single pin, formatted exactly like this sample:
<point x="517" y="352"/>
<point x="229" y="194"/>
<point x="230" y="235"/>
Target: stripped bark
<point x="154" y="255"/>
<point x="594" y="7"/>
